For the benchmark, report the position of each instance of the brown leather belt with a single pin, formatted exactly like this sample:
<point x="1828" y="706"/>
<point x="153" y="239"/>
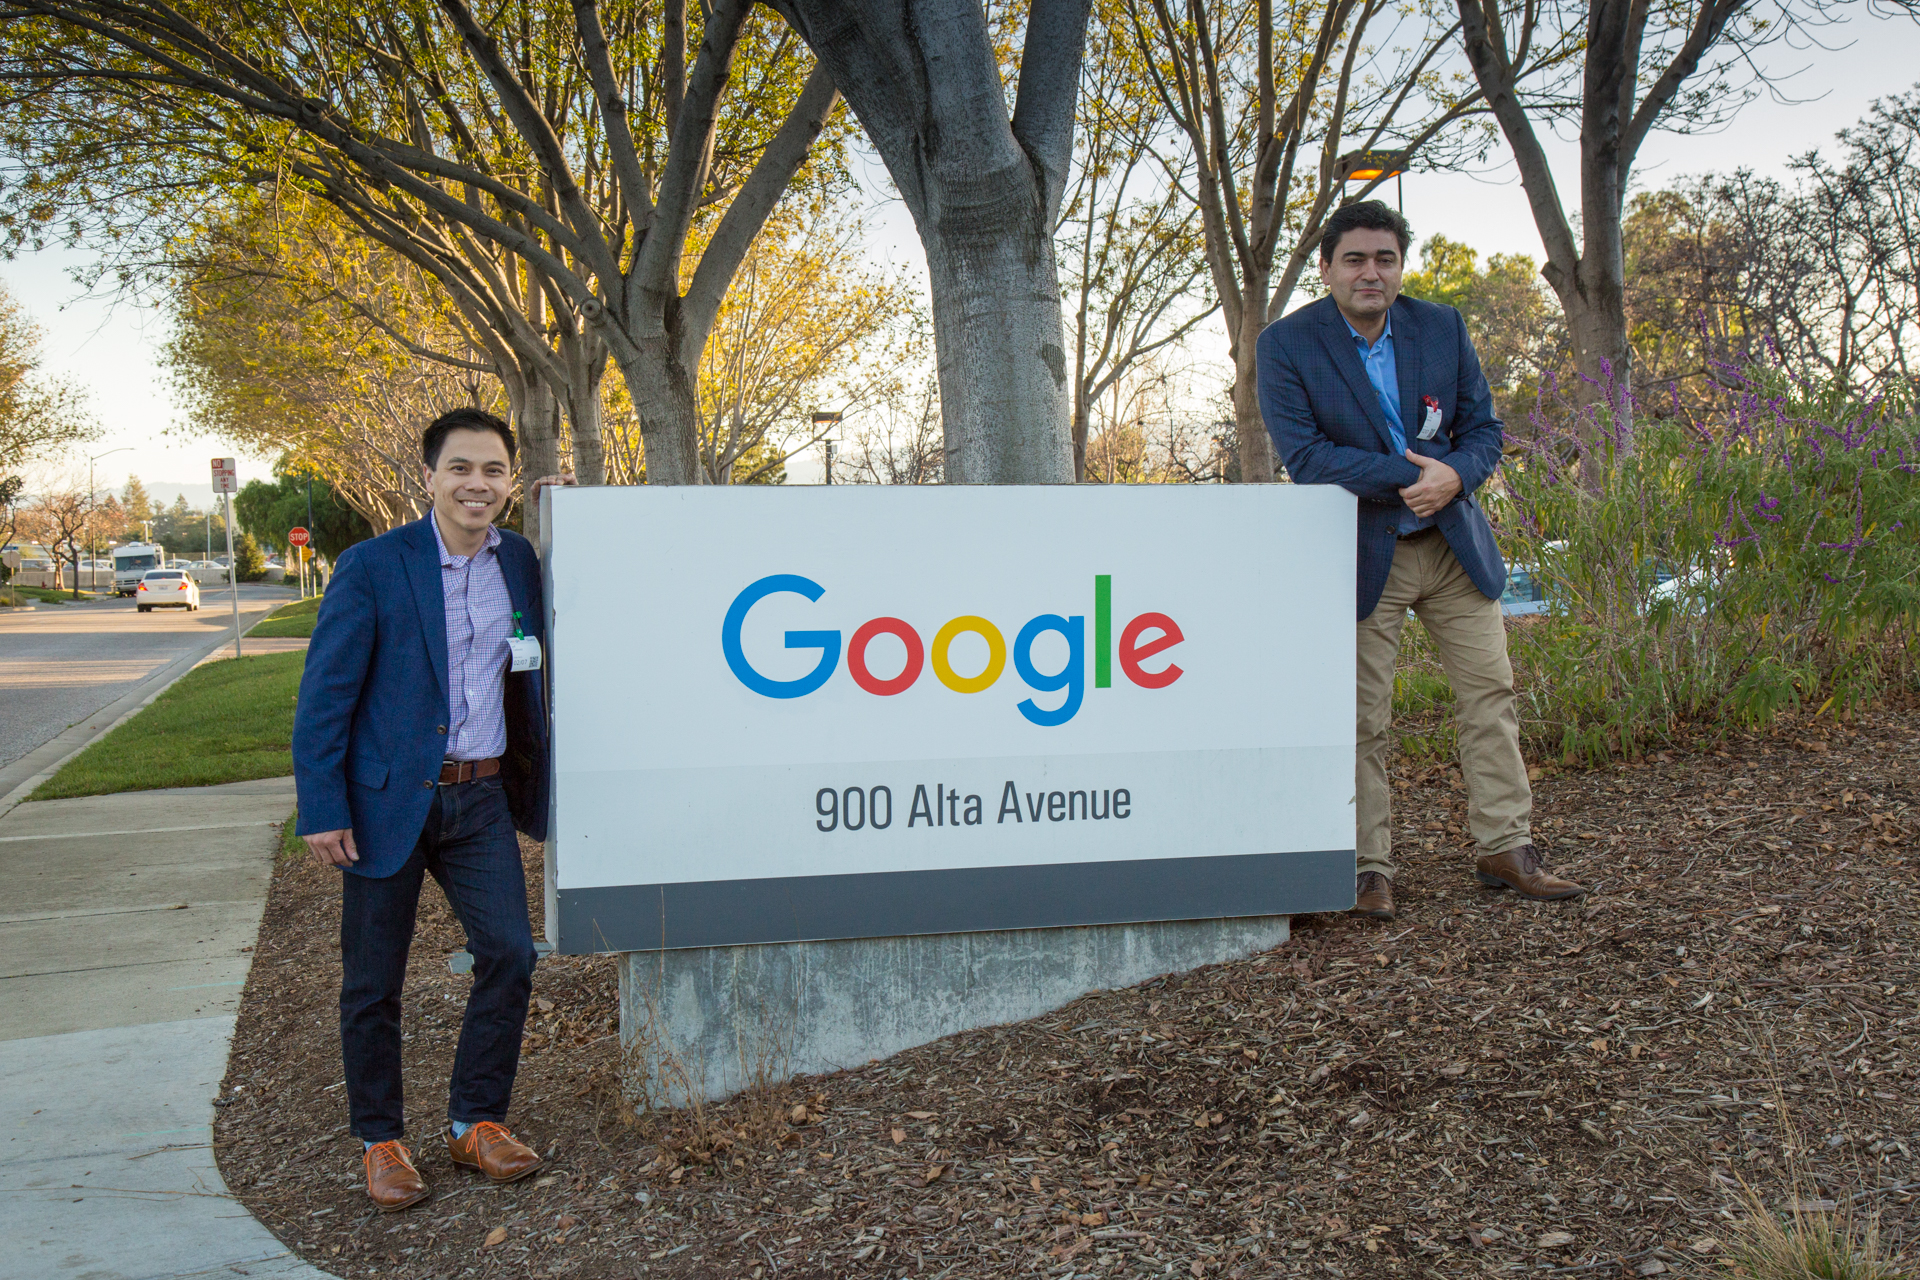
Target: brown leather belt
<point x="453" y="771"/>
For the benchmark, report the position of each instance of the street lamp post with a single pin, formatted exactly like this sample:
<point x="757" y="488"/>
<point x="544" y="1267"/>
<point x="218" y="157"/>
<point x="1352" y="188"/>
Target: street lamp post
<point x="93" y="537"/>
<point x="825" y="420"/>
<point x="303" y="550"/>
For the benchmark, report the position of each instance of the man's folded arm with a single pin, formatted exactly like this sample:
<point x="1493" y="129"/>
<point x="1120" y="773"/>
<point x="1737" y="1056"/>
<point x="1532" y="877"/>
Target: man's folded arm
<point x="1310" y="456"/>
<point x="336" y="669"/>
<point x="1477" y="444"/>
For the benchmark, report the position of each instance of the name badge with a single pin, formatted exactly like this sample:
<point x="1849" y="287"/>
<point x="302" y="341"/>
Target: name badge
<point x="525" y="651"/>
<point x="1430" y="423"/>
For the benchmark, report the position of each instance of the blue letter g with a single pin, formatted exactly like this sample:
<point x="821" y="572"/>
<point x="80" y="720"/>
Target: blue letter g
<point x="828" y="642"/>
<point x="1071" y="677"/>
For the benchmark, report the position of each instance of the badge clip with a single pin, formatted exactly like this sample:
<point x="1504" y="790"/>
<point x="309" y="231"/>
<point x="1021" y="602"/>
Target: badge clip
<point x="524" y="650"/>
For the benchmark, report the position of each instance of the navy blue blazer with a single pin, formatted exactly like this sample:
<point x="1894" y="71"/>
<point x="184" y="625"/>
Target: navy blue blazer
<point x="370" y="730"/>
<point x="1328" y="427"/>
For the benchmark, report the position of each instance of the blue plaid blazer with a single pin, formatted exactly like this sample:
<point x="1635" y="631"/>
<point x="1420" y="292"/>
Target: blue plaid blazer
<point x="370" y="729"/>
<point x="1328" y="427"/>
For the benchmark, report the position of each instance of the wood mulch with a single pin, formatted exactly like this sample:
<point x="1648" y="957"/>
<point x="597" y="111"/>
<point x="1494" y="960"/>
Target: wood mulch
<point x="1484" y="1085"/>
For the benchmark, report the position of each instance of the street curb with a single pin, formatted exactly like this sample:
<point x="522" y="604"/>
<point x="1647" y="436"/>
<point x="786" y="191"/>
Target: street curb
<point x="46" y="759"/>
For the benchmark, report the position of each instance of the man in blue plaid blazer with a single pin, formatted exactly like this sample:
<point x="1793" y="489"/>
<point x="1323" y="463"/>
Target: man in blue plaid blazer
<point x="1383" y="395"/>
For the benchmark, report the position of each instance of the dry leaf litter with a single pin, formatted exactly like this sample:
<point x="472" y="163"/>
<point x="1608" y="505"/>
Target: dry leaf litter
<point x="1483" y="1086"/>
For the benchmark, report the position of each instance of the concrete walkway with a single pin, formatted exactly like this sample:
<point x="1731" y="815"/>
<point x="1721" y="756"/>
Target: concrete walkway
<point x="125" y="938"/>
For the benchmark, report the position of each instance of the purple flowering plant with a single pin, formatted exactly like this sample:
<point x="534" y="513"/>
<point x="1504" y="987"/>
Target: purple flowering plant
<point x="1719" y="565"/>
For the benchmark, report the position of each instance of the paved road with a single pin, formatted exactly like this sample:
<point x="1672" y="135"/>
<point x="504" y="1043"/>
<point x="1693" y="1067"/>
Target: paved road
<point x="61" y="663"/>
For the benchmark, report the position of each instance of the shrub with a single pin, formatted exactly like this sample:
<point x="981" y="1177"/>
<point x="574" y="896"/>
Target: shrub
<point x="1723" y="570"/>
<point x="248" y="564"/>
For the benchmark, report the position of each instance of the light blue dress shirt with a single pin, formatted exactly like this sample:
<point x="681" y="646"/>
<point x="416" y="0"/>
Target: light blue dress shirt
<point x="479" y="617"/>
<point x="1384" y="374"/>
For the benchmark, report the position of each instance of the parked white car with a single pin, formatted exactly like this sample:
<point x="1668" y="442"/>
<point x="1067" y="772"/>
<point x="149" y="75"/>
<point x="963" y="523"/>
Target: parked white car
<point x="165" y="588"/>
<point x="1525" y="595"/>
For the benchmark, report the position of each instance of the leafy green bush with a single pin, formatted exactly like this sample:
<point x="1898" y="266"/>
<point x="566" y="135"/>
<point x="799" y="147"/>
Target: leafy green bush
<point x="249" y="565"/>
<point x="1725" y="571"/>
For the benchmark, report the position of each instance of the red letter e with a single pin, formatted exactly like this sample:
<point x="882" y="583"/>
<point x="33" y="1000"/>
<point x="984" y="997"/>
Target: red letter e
<point x="1132" y="653"/>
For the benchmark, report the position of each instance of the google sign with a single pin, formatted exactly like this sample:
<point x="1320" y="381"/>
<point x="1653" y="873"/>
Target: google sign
<point x="861" y="711"/>
<point x="1143" y="638"/>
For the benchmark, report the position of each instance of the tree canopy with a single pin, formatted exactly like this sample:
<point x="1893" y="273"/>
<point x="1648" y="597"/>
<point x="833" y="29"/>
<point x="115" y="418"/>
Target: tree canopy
<point x="268" y="510"/>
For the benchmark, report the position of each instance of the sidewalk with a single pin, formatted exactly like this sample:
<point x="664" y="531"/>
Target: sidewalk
<point x="253" y="646"/>
<point x="124" y="942"/>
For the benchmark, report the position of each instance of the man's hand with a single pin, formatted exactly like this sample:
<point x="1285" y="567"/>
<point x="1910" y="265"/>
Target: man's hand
<point x="332" y="848"/>
<point x="1439" y="484"/>
<point x="533" y="490"/>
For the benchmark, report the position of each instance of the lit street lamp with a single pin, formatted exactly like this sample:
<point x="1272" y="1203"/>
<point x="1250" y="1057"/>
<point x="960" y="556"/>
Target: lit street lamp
<point x="1365" y="166"/>
<point x="93" y="537"/>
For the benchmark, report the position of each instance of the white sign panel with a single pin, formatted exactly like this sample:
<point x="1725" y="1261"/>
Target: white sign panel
<point x="226" y="476"/>
<point x="858" y="711"/>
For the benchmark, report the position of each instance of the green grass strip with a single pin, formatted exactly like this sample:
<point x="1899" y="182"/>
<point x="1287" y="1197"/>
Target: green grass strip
<point x="228" y="721"/>
<point x="291" y="845"/>
<point x="50" y="595"/>
<point x="294" y="619"/>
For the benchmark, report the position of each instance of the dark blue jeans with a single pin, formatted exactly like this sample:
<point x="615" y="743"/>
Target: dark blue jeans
<point x="468" y="845"/>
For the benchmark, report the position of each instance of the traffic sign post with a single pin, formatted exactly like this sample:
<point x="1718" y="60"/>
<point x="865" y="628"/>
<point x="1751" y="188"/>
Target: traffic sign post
<point x="298" y="538"/>
<point x="226" y="482"/>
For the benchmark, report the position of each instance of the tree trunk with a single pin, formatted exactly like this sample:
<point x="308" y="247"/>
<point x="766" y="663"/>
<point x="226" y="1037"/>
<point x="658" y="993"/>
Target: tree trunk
<point x="663" y="391"/>
<point x="538" y="425"/>
<point x="1250" y="428"/>
<point x="984" y="190"/>
<point x="1594" y="303"/>
<point x="586" y="359"/>
<point x="1082" y="419"/>
<point x="1004" y="403"/>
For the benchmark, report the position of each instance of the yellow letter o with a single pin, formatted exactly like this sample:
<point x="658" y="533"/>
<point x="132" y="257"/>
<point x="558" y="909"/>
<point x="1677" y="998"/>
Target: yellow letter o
<point x="996" y="654"/>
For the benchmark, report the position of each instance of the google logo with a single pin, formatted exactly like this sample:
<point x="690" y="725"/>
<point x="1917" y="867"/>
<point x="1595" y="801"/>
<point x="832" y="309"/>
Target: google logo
<point x="1145" y="637"/>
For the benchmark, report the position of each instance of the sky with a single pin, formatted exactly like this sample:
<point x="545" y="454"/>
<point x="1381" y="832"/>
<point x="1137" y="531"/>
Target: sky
<point x="113" y="350"/>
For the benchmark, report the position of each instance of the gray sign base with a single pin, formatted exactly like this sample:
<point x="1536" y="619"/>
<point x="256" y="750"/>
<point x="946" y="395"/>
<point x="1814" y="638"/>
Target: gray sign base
<point x="709" y="1022"/>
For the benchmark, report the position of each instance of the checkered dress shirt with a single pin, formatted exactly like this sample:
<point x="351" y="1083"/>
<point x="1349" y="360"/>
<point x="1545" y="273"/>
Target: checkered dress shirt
<point x="479" y="622"/>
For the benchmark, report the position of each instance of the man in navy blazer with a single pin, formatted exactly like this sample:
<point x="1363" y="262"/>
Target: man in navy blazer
<point x="419" y="746"/>
<point x="1383" y="395"/>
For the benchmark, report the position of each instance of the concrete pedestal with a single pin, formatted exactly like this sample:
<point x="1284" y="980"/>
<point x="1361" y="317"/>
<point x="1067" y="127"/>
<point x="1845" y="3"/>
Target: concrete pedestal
<point x="709" y="1022"/>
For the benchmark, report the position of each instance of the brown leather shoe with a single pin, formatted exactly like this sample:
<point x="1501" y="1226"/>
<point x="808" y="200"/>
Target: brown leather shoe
<point x="489" y="1148"/>
<point x="1373" y="895"/>
<point x="392" y="1180"/>
<point x="1522" y="871"/>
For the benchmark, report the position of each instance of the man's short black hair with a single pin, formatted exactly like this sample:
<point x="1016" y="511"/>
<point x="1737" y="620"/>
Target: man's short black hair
<point x="1365" y="215"/>
<point x="467" y="419"/>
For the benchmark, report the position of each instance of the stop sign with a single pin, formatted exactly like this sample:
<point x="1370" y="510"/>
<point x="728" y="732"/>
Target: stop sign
<point x="299" y="537"/>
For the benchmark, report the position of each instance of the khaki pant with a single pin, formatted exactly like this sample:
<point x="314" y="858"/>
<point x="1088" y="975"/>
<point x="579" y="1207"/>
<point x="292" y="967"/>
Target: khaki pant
<point x="1471" y="635"/>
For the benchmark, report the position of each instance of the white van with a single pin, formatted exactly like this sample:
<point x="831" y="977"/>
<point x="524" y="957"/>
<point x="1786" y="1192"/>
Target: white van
<point x="132" y="563"/>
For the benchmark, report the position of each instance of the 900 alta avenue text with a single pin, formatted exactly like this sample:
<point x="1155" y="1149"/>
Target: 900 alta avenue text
<point x="871" y="808"/>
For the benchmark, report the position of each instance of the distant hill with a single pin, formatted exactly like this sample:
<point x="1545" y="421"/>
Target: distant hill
<point x="199" y="496"/>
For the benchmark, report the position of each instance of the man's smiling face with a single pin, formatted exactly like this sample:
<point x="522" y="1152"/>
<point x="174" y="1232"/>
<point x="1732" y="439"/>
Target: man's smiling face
<point x="1364" y="275"/>
<point x="471" y="481"/>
